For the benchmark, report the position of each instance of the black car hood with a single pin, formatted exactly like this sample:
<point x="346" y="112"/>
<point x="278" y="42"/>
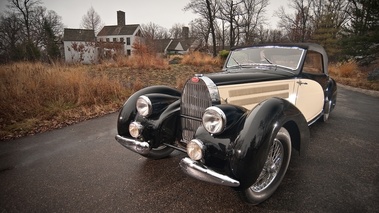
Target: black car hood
<point x="247" y="76"/>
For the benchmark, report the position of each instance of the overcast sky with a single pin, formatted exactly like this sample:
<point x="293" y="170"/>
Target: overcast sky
<point x="165" y="13"/>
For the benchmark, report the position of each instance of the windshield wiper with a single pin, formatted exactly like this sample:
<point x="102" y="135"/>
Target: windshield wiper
<point x="268" y="60"/>
<point x="238" y="64"/>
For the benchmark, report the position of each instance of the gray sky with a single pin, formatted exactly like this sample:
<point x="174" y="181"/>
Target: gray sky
<point x="165" y="13"/>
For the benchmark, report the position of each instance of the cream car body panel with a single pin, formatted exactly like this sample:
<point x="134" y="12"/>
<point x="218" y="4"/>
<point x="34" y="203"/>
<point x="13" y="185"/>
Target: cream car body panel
<point x="250" y="94"/>
<point x="307" y="95"/>
<point x="309" y="98"/>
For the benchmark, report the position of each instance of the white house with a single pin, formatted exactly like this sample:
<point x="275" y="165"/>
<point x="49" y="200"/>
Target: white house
<point x="120" y="33"/>
<point x="80" y="46"/>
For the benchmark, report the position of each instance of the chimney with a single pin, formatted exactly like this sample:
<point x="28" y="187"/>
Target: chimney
<point x="120" y="18"/>
<point x="185" y="32"/>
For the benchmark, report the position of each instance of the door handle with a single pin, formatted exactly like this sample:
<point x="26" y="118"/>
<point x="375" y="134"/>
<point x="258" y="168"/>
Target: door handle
<point x="300" y="83"/>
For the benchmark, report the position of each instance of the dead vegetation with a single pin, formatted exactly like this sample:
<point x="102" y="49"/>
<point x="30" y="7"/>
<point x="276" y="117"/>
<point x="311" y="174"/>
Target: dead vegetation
<point x="349" y="73"/>
<point x="36" y="97"/>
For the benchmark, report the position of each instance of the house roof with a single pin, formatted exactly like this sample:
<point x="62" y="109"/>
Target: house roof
<point x="161" y="44"/>
<point x="78" y="35"/>
<point x="118" y="30"/>
<point x="185" y="43"/>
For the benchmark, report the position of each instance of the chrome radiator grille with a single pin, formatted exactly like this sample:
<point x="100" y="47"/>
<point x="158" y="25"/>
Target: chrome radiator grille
<point x="195" y="99"/>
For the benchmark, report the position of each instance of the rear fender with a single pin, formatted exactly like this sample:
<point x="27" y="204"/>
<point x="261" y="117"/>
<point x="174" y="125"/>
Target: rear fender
<point x="250" y="149"/>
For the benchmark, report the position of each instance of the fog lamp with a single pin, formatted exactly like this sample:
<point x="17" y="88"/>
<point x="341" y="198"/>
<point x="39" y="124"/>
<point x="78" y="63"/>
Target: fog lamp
<point x="195" y="149"/>
<point x="135" y="129"/>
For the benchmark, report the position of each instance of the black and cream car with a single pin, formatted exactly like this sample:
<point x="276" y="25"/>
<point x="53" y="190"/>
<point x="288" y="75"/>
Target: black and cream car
<point x="238" y="127"/>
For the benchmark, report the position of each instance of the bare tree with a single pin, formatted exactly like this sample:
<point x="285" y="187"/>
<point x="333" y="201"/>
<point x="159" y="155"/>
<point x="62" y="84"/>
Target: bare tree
<point x="30" y="30"/>
<point x="211" y="15"/>
<point x="200" y="30"/>
<point x="230" y="12"/>
<point x="154" y="31"/>
<point x="253" y="12"/>
<point x="176" y="31"/>
<point x="207" y="10"/>
<point x="92" y="21"/>
<point x="10" y="37"/>
<point x="298" y="25"/>
<point x="25" y="8"/>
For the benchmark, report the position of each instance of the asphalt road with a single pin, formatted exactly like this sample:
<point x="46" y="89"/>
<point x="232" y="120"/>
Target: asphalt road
<point x="81" y="168"/>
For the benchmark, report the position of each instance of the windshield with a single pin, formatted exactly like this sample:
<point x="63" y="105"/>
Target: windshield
<point x="285" y="57"/>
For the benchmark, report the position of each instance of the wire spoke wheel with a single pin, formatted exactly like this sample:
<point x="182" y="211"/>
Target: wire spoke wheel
<point x="273" y="171"/>
<point x="271" y="167"/>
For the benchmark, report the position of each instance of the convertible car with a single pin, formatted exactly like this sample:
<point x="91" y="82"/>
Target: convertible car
<point x="237" y="127"/>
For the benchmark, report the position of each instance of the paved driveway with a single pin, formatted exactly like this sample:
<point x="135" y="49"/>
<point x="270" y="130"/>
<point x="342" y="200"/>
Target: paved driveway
<point x="81" y="168"/>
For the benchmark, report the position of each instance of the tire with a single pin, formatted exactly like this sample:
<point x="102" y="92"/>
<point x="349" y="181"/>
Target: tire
<point x="273" y="172"/>
<point x="159" y="152"/>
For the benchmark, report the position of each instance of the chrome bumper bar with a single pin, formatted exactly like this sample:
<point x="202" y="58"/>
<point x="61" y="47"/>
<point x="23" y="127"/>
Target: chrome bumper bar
<point x="198" y="171"/>
<point x="134" y="145"/>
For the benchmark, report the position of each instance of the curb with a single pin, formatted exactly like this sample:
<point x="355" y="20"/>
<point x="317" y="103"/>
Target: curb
<point x="373" y="93"/>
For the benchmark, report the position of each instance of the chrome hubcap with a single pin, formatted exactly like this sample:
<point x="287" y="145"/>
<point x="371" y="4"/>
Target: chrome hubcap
<point x="271" y="167"/>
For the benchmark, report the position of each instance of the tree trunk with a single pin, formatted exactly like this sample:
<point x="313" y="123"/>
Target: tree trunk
<point x="211" y="19"/>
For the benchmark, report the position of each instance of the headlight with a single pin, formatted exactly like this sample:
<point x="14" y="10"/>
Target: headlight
<point x="195" y="149"/>
<point x="214" y="120"/>
<point x="135" y="129"/>
<point x="144" y="106"/>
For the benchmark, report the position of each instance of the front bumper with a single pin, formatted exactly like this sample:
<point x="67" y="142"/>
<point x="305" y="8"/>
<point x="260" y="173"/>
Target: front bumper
<point x="199" y="171"/>
<point x="139" y="147"/>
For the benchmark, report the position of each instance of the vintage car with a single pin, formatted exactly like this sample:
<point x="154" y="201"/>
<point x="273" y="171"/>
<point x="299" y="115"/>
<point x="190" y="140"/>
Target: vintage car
<point x="239" y="126"/>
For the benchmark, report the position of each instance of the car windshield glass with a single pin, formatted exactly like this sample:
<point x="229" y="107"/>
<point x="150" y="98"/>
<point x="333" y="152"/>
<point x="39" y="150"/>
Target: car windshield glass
<point x="284" y="57"/>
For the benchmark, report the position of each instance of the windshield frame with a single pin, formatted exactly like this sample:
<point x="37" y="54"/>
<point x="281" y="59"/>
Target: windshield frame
<point x="268" y="63"/>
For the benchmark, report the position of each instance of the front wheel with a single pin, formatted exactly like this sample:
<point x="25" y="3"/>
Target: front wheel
<point x="273" y="171"/>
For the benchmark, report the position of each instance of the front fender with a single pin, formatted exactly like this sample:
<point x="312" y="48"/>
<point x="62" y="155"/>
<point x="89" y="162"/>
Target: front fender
<point x="128" y="111"/>
<point x="250" y="149"/>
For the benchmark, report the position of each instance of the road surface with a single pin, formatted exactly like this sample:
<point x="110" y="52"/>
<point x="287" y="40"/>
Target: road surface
<point x="81" y="168"/>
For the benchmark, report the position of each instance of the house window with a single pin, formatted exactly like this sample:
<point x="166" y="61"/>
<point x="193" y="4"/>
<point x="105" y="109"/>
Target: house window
<point x="100" y="39"/>
<point x="122" y="40"/>
<point x="107" y="39"/>
<point x="114" y="39"/>
<point x="127" y="41"/>
<point x="128" y="52"/>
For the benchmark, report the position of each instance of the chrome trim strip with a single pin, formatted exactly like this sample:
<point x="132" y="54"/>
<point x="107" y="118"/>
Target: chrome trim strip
<point x="200" y="172"/>
<point x="212" y="88"/>
<point x="134" y="145"/>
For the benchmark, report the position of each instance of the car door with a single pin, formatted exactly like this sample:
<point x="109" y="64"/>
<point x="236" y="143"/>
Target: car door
<point x="310" y="86"/>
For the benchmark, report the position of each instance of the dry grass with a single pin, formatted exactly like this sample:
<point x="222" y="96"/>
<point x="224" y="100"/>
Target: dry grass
<point x="37" y="97"/>
<point x="33" y="93"/>
<point x="349" y="73"/>
<point x="201" y="59"/>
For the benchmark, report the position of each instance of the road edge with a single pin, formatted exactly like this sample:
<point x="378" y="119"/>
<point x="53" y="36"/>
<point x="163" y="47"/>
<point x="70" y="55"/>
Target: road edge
<point x="373" y="93"/>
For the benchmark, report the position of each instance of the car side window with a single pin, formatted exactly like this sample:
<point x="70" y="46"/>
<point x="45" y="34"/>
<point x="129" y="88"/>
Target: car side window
<point x="313" y="63"/>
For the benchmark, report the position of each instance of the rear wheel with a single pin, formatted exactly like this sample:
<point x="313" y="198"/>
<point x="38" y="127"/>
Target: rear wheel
<point x="273" y="171"/>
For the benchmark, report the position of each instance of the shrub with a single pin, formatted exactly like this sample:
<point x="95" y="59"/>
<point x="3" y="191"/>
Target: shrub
<point x="200" y="59"/>
<point x="223" y="54"/>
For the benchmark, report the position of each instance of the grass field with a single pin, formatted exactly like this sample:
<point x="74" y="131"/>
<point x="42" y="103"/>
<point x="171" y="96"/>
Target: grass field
<point x="37" y="97"/>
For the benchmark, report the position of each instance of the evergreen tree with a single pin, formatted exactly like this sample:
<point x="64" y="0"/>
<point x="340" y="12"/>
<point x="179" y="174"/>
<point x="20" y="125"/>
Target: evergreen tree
<point x="361" y="36"/>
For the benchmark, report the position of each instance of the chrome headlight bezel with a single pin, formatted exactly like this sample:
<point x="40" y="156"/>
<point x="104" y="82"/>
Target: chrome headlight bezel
<point x="195" y="149"/>
<point x="144" y="106"/>
<point x="135" y="129"/>
<point x="214" y="120"/>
